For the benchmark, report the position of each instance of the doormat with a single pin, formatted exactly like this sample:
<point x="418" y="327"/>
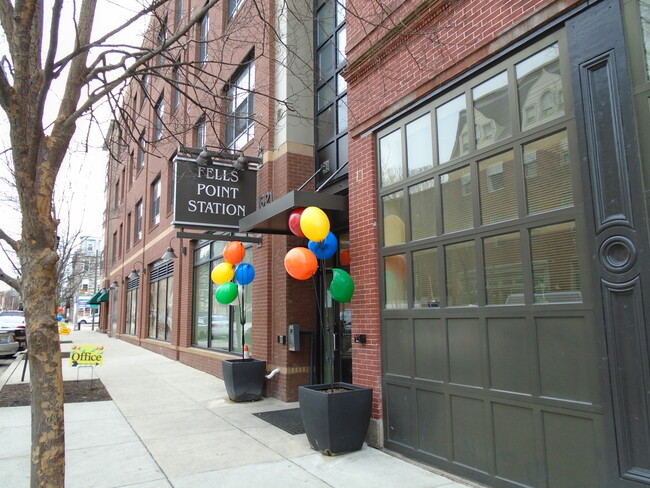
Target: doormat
<point x="287" y="420"/>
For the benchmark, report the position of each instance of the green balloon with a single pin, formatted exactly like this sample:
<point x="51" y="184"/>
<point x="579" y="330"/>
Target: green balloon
<point x="342" y="287"/>
<point x="227" y="293"/>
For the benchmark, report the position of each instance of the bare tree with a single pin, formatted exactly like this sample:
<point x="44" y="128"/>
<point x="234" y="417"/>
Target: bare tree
<point x="92" y="72"/>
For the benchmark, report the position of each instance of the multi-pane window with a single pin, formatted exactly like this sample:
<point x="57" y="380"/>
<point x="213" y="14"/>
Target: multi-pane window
<point x="218" y="326"/>
<point x="162" y="37"/>
<point x="155" y="201"/>
<point x="160" y="119"/>
<point x="204" y="29"/>
<point x="137" y="233"/>
<point x="331" y="90"/>
<point x="477" y="195"/>
<point x="239" y="121"/>
<point x="161" y="298"/>
<point x="145" y="87"/>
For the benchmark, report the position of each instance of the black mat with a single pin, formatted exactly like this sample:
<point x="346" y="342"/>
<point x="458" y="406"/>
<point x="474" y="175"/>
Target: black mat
<point x="287" y="420"/>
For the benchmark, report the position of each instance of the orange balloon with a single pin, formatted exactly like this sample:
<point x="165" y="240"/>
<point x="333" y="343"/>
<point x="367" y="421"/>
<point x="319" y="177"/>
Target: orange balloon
<point x="234" y="252"/>
<point x="300" y="263"/>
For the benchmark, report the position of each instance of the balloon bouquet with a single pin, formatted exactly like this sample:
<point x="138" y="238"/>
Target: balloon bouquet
<point x="229" y="291"/>
<point x="302" y="262"/>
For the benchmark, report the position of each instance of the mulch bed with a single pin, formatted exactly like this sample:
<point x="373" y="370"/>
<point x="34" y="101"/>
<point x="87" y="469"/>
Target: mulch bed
<point x="18" y="395"/>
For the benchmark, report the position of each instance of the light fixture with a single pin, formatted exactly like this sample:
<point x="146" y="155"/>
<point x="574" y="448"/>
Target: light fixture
<point x="204" y="157"/>
<point x="241" y="163"/>
<point x="114" y="286"/>
<point x="169" y="254"/>
<point x="134" y="272"/>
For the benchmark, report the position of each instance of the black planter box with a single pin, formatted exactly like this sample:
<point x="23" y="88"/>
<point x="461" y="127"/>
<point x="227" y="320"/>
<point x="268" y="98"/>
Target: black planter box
<point x="244" y="378"/>
<point x="337" y="422"/>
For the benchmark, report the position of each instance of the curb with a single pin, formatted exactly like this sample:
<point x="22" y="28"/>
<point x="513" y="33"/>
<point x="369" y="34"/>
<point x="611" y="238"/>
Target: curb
<point x="11" y="368"/>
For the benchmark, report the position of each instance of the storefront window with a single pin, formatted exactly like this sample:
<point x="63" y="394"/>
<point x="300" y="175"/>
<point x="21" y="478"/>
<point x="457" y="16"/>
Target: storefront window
<point x="423" y="215"/>
<point x="419" y="148"/>
<point x="131" y="306"/>
<point x="218" y="326"/>
<point x="457" y="200"/>
<point x="460" y="261"/>
<point x="161" y="300"/>
<point x="492" y="111"/>
<point x="426" y="286"/>
<point x="390" y="148"/>
<point x="452" y="129"/>
<point x="504" y="282"/>
<point x="395" y="271"/>
<point x="394" y="227"/>
<point x="498" y="187"/>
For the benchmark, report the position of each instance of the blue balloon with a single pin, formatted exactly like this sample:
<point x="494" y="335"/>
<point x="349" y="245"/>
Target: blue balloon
<point x="326" y="248"/>
<point x="245" y="273"/>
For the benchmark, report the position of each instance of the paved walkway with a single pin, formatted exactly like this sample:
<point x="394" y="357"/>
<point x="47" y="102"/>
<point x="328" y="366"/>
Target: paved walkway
<point x="169" y="425"/>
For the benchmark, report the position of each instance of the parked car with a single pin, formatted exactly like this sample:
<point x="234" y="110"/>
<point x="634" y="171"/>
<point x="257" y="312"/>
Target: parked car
<point x="8" y="343"/>
<point x="88" y="319"/>
<point x="14" y="321"/>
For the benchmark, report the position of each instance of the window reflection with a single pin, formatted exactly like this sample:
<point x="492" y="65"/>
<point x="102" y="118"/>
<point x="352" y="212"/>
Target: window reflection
<point x="451" y="121"/>
<point x="460" y="262"/>
<point x="419" y="150"/>
<point x="426" y="286"/>
<point x="390" y="153"/>
<point x="498" y="188"/>
<point x="457" y="200"/>
<point x="395" y="271"/>
<point x="492" y="110"/>
<point x="393" y="211"/>
<point x="423" y="210"/>
<point x="503" y="271"/>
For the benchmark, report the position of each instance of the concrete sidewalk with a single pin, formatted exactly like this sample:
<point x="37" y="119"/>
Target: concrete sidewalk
<point x="169" y="425"/>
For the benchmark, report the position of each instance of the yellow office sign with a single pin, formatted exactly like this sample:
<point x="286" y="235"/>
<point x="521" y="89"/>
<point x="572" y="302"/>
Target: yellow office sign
<point x="86" y="356"/>
<point x="64" y="330"/>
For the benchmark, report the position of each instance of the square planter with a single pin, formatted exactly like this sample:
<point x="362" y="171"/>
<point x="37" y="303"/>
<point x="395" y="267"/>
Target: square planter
<point x="335" y="420"/>
<point x="244" y="378"/>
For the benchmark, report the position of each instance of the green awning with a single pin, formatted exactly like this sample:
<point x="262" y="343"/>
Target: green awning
<point x="99" y="297"/>
<point x="94" y="300"/>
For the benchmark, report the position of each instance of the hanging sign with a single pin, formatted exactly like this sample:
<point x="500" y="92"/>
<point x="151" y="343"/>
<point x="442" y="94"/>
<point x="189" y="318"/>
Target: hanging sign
<point x="213" y="196"/>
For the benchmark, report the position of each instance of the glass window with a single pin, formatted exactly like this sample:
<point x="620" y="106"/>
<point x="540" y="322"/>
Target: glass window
<point x="503" y="269"/>
<point x="426" y="285"/>
<point x="539" y="87"/>
<point x="325" y="61"/>
<point x="419" y="147"/>
<point x="492" y="110"/>
<point x="340" y="47"/>
<point x="325" y="22"/>
<point x="201" y="305"/>
<point x="179" y="12"/>
<point x="325" y="123"/>
<point x="452" y="129"/>
<point x="326" y="95"/>
<point x="177" y="84"/>
<point x="239" y="121"/>
<point x="423" y="209"/>
<point x="393" y="211"/>
<point x="233" y="7"/>
<point x="142" y="148"/>
<point x="460" y="263"/>
<point x="644" y="6"/>
<point x="395" y="271"/>
<point x="160" y="119"/>
<point x="201" y="132"/>
<point x="498" y="188"/>
<point x="556" y="277"/>
<point x="342" y="114"/>
<point x="390" y="152"/>
<point x="131" y="311"/>
<point x="138" y="221"/>
<point x="548" y="174"/>
<point x="155" y="201"/>
<point x="457" y="200"/>
<point x="203" y="40"/>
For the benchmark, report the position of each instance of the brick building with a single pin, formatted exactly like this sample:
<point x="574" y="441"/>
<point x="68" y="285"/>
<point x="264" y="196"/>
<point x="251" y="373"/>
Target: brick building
<point x="483" y="164"/>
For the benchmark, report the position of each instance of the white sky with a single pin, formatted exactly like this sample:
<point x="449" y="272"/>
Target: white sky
<point x="81" y="181"/>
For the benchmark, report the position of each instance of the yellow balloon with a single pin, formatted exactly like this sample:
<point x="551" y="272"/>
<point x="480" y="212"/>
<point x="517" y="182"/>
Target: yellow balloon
<point x="314" y="224"/>
<point x="223" y="273"/>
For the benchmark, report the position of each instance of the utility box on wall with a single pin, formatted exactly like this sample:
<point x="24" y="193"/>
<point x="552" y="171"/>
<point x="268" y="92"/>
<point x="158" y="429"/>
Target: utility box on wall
<point x="293" y="337"/>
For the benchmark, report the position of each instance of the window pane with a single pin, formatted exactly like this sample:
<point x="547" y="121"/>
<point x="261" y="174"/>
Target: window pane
<point x="201" y="303"/>
<point x="325" y="21"/>
<point x="342" y="114"/>
<point x="325" y="62"/>
<point x="390" y="148"/>
<point x="340" y="47"/>
<point x="395" y="269"/>
<point x="556" y="275"/>
<point x="153" y="304"/>
<point x="498" y="188"/>
<point x="419" y="147"/>
<point x="547" y="174"/>
<point x="461" y="274"/>
<point x="539" y="87"/>
<point x="170" y="302"/>
<point x="451" y="119"/>
<point x="503" y="271"/>
<point x="220" y="322"/>
<point x="325" y="123"/>
<point x="393" y="211"/>
<point x="492" y="110"/>
<point x="644" y="6"/>
<point x="457" y="200"/>
<point x="423" y="210"/>
<point x="326" y="95"/>
<point x="426" y="286"/>
<point x="161" y="320"/>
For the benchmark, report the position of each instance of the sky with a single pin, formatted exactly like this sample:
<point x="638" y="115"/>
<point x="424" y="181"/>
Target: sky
<point x="79" y="195"/>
